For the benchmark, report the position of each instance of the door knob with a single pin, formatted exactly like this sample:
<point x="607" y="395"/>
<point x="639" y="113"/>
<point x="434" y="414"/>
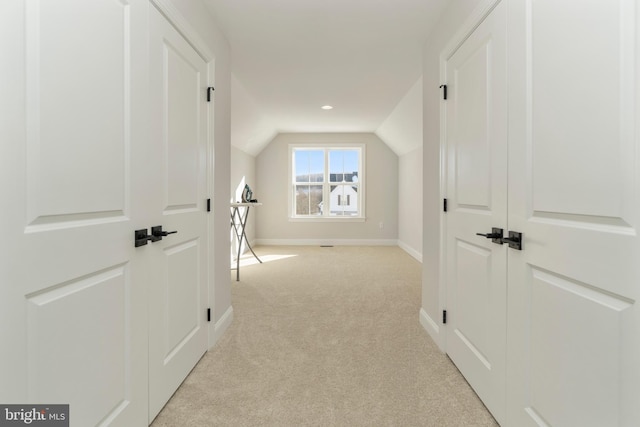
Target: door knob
<point x="158" y="234"/>
<point x="495" y="235"/>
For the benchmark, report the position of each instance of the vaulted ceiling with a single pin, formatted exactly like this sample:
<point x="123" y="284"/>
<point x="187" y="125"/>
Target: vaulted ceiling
<point x="291" y="57"/>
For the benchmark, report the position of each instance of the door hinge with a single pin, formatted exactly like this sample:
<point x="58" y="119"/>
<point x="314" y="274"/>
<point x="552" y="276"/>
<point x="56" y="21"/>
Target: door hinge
<point x="444" y="317"/>
<point x="444" y="205"/>
<point x="208" y="315"/>
<point x="208" y="205"/>
<point x="444" y="91"/>
<point x="209" y="90"/>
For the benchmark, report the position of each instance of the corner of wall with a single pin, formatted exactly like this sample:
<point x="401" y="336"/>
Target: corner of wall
<point x="220" y="327"/>
<point x="432" y="328"/>
<point x="411" y="251"/>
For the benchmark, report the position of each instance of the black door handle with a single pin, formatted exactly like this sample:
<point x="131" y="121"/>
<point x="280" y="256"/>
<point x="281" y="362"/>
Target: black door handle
<point x="514" y="240"/>
<point x="490" y="235"/>
<point x="495" y="235"/>
<point x="141" y="237"/>
<point x="158" y="234"/>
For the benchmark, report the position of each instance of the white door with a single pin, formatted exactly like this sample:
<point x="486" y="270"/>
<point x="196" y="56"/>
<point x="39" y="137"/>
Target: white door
<point x="476" y="117"/>
<point x="178" y="290"/>
<point x="574" y="171"/>
<point x="72" y="168"/>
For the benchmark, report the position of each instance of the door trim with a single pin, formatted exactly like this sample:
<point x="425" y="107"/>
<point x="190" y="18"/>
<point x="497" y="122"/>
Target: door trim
<point x="175" y="18"/>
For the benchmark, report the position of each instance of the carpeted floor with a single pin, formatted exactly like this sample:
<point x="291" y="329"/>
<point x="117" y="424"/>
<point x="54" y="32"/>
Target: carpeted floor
<point x="326" y="337"/>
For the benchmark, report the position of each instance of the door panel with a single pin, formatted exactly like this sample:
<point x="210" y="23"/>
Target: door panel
<point x="64" y="343"/>
<point x="476" y="190"/>
<point x="574" y="326"/>
<point x="73" y="296"/>
<point x="573" y="316"/>
<point x="178" y="298"/>
<point x="473" y="297"/>
<point x="473" y="144"/>
<point x="183" y="104"/>
<point x="182" y="294"/>
<point x="569" y="67"/>
<point x="471" y="344"/>
<point x="99" y="135"/>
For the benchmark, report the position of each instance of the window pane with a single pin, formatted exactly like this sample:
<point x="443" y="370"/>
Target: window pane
<point x="309" y="165"/>
<point x="343" y="165"/>
<point x="308" y="199"/>
<point x="344" y="200"/>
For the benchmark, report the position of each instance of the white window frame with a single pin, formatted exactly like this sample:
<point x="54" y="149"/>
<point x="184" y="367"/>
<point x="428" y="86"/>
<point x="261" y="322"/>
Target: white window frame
<point x="326" y="185"/>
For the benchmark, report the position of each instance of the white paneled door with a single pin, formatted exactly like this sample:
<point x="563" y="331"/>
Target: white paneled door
<point x="476" y="111"/>
<point x="574" y="175"/>
<point x="73" y="169"/>
<point x="104" y="131"/>
<point x="560" y="317"/>
<point x="178" y="289"/>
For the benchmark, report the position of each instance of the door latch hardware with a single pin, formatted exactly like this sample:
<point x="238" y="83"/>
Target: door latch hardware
<point x="158" y="234"/>
<point x="495" y="235"/>
<point x="141" y="237"/>
<point x="514" y="240"/>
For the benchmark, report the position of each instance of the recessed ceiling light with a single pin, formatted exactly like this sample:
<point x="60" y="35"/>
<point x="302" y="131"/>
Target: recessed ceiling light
<point x="327" y="107"/>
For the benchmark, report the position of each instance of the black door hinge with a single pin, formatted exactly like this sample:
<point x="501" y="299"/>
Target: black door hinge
<point x="444" y="205"/>
<point x="208" y="205"/>
<point x="208" y="315"/>
<point x="444" y="91"/>
<point x="444" y="317"/>
<point x="209" y="90"/>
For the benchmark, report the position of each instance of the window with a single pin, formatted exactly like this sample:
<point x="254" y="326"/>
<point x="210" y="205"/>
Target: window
<point x="344" y="202"/>
<point x="327" y="182"/>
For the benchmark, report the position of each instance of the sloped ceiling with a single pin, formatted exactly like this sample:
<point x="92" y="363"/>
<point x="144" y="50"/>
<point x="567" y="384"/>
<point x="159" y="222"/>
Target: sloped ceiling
<point x="290" y="57"/>
<point x="402" y="129"/>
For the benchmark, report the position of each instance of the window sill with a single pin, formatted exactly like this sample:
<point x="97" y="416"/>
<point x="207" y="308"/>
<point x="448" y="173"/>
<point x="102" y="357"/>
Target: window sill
<point x="328" y="219"/>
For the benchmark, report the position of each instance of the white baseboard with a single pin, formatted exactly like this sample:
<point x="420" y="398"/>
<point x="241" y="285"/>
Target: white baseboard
<point x="220" y="327"/>
<point x="334" y="242"/>
<point x="430" y="326"/>
<point x="408" y="249"/>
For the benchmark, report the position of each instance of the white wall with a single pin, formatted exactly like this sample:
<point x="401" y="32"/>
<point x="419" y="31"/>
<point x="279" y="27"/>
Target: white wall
<point x="410" y="203"/>
<point x="381" y="195"/>
<point x="432" y="304"/>
<point x="197" y="16"/>
<point x="402" y="131"/>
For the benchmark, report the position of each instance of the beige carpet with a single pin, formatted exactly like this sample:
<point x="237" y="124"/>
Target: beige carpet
<point x="326" y="337"/>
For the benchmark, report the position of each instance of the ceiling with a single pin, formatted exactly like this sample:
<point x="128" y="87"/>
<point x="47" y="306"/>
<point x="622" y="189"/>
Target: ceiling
<point x="290" y="57"/>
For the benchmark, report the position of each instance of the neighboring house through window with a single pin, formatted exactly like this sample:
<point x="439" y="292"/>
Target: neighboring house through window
<point x="346" y="201"/>
<point x="326" y="182"/>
